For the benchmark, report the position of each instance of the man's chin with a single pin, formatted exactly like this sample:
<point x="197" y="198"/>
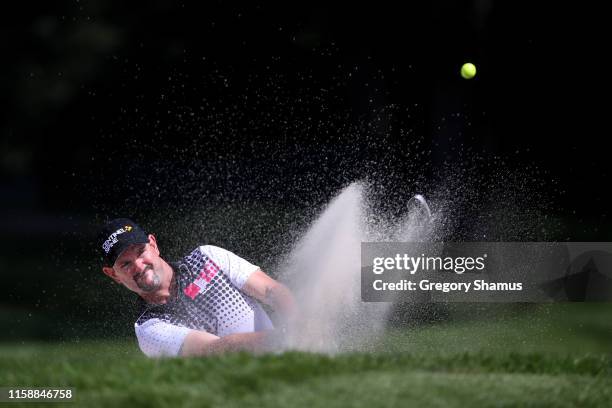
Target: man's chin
<point x="148" y="288"/>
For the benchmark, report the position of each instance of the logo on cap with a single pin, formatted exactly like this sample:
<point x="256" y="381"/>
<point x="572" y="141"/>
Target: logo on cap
<point x="112" y="238"/>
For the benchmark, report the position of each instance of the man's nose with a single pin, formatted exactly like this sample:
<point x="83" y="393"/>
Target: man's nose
<point x="140" y="265"/>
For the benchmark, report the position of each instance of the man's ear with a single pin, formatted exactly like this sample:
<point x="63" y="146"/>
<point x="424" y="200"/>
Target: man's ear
<point x="108" y="271"/>
<point x="153" y="243"/>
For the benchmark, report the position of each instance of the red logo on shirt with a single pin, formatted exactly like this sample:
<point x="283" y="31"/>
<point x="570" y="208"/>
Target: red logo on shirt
<point x="206" y="275"/>
<point x="192" y="290"/>
<point x="210" y="271"/>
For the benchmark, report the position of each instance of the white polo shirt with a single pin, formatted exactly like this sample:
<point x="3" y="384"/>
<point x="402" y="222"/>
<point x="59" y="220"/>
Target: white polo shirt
<point x="209" y="297"/>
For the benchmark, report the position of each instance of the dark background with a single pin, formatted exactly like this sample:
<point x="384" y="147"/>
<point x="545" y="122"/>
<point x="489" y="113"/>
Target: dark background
<point x="233" y="124"/>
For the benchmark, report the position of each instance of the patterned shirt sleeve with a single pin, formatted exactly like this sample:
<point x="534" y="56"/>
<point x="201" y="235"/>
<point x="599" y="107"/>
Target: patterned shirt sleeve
<point x="238" y="269"/>
<point x="157" y="338"/>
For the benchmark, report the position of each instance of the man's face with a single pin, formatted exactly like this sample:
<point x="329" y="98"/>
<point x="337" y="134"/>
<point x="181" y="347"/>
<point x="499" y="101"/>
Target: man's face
<point x="139" y="268"/>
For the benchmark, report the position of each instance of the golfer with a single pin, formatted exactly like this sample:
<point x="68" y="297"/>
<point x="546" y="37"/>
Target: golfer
<point x="205" y="303"/>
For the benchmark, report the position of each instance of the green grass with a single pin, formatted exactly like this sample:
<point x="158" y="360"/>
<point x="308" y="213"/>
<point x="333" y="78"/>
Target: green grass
<point x="563" y="329"/>
<point x="556" y="355"/>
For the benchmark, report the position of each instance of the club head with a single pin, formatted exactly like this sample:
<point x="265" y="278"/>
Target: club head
<point x="418" y="207"/>
<point x="417" y="223"/>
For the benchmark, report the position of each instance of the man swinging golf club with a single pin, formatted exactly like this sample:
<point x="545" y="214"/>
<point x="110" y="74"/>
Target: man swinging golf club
<point x="205" y="303"/>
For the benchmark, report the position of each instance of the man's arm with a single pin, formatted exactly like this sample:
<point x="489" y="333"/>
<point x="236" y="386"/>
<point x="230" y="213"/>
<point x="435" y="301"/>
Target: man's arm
<point x="201" y="343"/>
<point x="263" y="288"/>
<point x="271" y="292"/>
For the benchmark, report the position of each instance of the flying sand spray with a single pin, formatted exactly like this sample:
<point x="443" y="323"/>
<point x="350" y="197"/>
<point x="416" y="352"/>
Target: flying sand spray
<point x="324" y="269"/>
